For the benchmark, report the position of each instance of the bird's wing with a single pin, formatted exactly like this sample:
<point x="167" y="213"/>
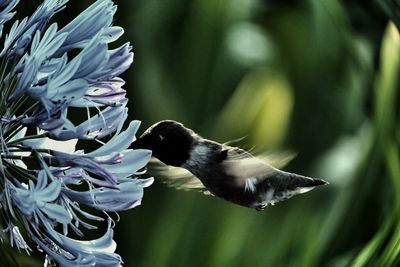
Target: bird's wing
<point x="176" y="177"/>
<point x="245" y="169"/>
<point x="277" y="159"/>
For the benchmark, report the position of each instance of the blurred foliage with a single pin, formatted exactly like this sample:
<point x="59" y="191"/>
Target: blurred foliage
<point x="318" y="77"/>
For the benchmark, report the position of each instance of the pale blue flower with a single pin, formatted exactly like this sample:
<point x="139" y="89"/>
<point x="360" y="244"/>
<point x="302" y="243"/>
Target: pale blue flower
<point x="97" y="252"/>
<point x="44" y="72"/>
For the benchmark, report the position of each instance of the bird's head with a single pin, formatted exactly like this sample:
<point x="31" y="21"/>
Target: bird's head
<point x="169" y="141"/>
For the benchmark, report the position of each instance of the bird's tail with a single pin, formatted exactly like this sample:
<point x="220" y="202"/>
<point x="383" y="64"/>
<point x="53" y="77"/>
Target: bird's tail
<point x="297" y="184"/>
<point x="309" y="182"/>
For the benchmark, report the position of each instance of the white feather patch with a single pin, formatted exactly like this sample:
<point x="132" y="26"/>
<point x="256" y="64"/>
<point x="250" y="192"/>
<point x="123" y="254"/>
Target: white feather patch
<point x="302" y="190"/>
<point x="250" y="184"/>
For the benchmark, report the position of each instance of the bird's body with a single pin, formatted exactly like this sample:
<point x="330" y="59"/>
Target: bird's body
<point x="227" y="172"/>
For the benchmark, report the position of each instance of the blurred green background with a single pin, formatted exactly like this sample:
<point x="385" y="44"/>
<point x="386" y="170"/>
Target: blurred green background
<point x="319" y="78"/>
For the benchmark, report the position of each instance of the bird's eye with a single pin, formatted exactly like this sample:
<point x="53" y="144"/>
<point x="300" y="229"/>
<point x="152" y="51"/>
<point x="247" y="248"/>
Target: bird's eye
<point x="161" y="137"/>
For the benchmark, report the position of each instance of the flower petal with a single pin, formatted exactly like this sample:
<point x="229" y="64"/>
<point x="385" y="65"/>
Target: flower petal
<point x="119" y="142"/>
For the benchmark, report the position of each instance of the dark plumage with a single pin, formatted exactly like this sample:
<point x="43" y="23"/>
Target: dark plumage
<point x="227" y="172"/>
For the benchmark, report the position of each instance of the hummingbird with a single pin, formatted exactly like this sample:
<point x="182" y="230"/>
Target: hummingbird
<point x="224" y="171"/>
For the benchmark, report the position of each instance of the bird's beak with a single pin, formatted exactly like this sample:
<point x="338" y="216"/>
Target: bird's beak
<point x="138" y="144"/>
<point x="141" y="143"/>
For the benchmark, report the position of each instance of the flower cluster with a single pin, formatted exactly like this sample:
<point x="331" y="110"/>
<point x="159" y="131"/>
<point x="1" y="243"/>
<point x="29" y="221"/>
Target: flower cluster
<point x="48" y="73"/>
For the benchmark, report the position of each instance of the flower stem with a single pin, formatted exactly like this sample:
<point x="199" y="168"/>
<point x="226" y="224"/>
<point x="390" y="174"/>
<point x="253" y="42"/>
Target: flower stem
<point x="19" y="140"/>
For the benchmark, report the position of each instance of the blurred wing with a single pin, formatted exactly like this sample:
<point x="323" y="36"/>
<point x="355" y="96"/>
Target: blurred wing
<point x="278" y="159"/>
<point x="237" y="140"/>
<point x="275" y="159"/>
<point x="245" y="169"/>
<point x="178" y="178"/>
